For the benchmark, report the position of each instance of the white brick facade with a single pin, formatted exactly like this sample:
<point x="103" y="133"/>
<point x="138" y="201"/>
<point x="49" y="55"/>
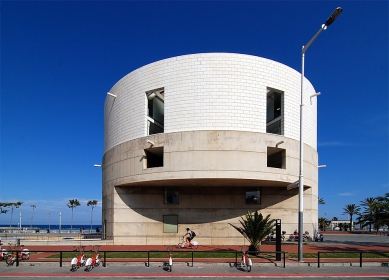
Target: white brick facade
<point x="210" y="91"/>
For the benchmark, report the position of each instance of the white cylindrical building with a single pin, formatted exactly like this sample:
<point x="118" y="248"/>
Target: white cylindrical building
<point x="198" y="141"/>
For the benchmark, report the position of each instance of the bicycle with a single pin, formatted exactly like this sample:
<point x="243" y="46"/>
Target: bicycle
<point x="295" y="236"/>
<point x="246" y="261"/>
<point x="11" y="259"/>
<point x="24" y="255"/>
<point x="78" y="261"/>
<point x="185" y="244"/>
<point x="3" y="253"/>
<point x="94" y="260"/>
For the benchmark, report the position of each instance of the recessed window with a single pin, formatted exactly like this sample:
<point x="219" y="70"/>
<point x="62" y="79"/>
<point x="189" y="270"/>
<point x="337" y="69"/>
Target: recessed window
<point x="171" y="195"/>
<point x="274" y="110"/>
<point x="155" y="111"/>
<point x="170" y="223"/>
<point x="154" y="157"/>
<point x="276" y="157"/>
<point x="253" y="196"/>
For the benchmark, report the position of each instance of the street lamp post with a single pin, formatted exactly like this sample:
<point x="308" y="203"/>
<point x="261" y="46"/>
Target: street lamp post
<point x="329" y="21"/>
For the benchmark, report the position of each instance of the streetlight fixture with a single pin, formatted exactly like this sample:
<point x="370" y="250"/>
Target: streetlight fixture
<point x="313" y="95"/>
<point x="329" y="21"/>
<point x="111" y="94"/>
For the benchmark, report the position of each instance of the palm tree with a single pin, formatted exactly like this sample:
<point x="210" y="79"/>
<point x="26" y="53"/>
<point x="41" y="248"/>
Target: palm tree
<point x="321" y="201"/>
<point x="385" y="201"/>
<point x="351" y="209"/>
<point x="2" y="205"/>
<point x="32" y="216"/>
<point x="368" y="216"/>
<point x="323" y="223"/>
<point x="91" y="203"/>
<point x="12" y="205"/>
<point x="255" y="228"/>
<point x="73" y="203"/>
<point x="384" y="206"/>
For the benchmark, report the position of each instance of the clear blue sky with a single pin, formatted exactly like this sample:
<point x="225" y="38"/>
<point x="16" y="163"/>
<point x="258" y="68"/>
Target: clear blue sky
<point x="58" y="60"/>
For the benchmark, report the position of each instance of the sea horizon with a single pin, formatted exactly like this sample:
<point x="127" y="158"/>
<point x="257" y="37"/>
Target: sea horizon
<point x="85" y="227"/>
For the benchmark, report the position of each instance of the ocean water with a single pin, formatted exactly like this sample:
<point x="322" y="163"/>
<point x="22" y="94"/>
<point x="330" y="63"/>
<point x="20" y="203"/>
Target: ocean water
<point x="56" y="228"/>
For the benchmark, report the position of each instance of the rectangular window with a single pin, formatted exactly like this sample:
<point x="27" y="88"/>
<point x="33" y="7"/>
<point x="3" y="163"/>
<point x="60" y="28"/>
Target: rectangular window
<point x="171" y="195"/>
<point x="170" y="223"/>
<point x="154" y="157"/>
<point x="274" y="110"/>
<point x="276" y="157"/>
<point x="253" y="196"/>
<point x="155" y="111"/>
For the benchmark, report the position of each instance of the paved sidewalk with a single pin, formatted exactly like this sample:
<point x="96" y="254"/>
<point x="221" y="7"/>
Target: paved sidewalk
<point x="198" y="270"/>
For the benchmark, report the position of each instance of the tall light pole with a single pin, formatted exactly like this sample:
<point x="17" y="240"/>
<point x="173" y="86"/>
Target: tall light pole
<point x="32" y="216"/>
<point x="329" y="21"/>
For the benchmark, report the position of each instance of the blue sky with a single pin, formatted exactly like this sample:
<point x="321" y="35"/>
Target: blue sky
<point x="59" y="58"/>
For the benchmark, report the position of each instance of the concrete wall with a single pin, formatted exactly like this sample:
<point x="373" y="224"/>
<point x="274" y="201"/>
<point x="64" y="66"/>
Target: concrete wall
<point x="211" y="171"/>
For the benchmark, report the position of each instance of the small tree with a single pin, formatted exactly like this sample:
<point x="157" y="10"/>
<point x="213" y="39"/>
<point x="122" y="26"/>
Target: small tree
<point x="323" y="223"/>
<point x="351" y="209"/>
<point x="91" y="203"/>
<point x="11" y="205"/>
<point x="73" y="203"/>
<point x="3" y="211"/>
<point x="255" y="228"/>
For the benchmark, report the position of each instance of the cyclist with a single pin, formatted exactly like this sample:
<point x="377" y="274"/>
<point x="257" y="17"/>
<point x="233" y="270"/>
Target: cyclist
<point x="190" y="235"/>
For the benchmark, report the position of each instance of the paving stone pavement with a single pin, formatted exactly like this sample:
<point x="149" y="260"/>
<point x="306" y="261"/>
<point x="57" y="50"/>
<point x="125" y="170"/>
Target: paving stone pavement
<point x="198" y="269"/>
<point x="40" y="266"/>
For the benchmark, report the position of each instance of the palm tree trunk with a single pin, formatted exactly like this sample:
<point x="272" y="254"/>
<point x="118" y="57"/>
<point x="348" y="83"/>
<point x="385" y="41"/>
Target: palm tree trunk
<point x="10" y="220"/>
<point x="71" y="224"/>
<point x="351" y="222"/>
<point x="91" y="216"/>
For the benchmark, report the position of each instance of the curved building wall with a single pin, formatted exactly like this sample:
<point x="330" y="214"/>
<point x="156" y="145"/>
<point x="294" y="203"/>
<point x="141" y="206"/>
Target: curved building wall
<point x="211" y="91"/>
<point x="214" y="146"/>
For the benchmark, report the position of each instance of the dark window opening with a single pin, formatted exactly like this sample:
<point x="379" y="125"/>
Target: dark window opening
<point x="154" y="128"/>
<point x="274" y="127"/>
<point x="274" y="111"/>
<point x="155" y="111"/>
<point x="276" y="158"/>
<point x="253" y="196"/>
<point x="154" y="157"/>
<point x="171" y="195"/>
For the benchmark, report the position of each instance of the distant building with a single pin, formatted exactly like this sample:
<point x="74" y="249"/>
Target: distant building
<point x="337" y="225"/>
<point x="198" y="140"/>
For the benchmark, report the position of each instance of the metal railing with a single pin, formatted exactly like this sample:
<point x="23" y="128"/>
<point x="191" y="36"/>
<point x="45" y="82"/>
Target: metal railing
<point x="352" y="252"/>
<point x="49" y="237"/>
<point x="253" y="254"/>
<point x="256" y="254"/>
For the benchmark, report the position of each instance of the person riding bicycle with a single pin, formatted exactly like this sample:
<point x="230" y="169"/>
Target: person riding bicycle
<point x="190" y="235"/>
